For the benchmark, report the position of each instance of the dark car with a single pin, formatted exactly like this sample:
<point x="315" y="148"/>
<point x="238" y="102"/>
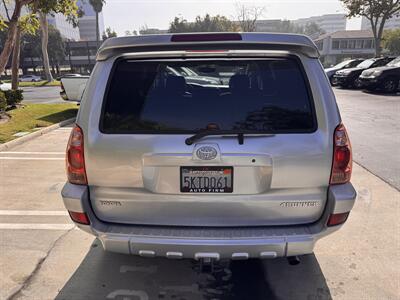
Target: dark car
<point x="351" y="63"/>
<point x="349" y="78"/>
<point x="386" y="78"/>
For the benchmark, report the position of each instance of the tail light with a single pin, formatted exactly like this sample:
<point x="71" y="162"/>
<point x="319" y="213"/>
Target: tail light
<point x="342" y="157"/>
<point x="62" y="86"/>
<point x="75" y="161"/>
<point x="79" y="217"/>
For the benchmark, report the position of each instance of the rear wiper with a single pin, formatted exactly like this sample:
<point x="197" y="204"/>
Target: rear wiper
<point x="240" y="135"/>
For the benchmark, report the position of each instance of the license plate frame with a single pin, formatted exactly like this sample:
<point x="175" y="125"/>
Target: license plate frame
<point x="227" y="172"/>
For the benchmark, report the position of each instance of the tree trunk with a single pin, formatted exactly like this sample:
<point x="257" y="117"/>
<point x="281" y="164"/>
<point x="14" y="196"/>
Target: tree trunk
<point x="45" y="40"/>
<point x="15" y="60"/>
<point x="378" y="48"/>
<point x="10" y="40"/>
<point x="97" y="29"/>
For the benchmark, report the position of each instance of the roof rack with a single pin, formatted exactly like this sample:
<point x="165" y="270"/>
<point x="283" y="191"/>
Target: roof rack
<point x="208" y="41"/>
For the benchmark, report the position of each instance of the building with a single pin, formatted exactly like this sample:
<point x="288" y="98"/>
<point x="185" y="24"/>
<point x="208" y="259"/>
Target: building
<point x="329" y="23"/>
<point x="66" y="29"/>
<point x="392" y="23"/>
<point x="87" y="23"/>
<point x="337" y="46"/>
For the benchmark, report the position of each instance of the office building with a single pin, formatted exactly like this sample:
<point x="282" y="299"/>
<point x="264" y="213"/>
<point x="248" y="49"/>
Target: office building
<point x="337" y="46"/>
<point x="87" y="23"/>
<point x="329" y="23"/>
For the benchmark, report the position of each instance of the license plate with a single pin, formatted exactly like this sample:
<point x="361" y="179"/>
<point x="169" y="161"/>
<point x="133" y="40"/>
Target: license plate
<point x="207" y="179"/>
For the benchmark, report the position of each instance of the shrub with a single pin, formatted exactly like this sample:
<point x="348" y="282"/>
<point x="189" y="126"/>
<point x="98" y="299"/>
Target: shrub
<point x="3" y="101"/>
<point x="14" y="97"/>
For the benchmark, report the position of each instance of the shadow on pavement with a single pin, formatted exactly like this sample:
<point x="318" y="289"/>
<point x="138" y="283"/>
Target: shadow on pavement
<point x="104" y="275"/>
<point x="60" y="116"/>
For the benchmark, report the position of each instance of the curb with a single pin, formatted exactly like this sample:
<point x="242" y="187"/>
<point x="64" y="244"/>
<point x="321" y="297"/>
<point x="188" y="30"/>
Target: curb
<point x="35" y="134"/>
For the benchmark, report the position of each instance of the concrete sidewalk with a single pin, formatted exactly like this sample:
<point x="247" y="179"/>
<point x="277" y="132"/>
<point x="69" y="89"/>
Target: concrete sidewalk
<point x="360" y="261"/>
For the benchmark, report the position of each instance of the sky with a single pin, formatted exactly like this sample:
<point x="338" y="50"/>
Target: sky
<point x="122" y="15"/>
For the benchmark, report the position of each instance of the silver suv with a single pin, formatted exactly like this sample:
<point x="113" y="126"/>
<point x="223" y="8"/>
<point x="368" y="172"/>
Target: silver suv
<point x="209" y="146"/>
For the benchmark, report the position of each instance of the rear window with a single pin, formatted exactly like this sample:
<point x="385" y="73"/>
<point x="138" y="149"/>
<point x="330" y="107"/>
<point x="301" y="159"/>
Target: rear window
<point x="186" y="96"/>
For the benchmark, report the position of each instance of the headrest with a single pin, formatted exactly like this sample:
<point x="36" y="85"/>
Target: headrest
<point x="175" y="84"/>
<point x="239" y="83"/>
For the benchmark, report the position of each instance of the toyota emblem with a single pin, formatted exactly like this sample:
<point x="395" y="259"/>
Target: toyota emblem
<point x="206" y="153"/>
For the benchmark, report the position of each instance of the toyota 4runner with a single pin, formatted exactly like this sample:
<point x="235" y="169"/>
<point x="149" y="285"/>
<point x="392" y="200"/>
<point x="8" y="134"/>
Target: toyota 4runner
<point x="209" y="146"/>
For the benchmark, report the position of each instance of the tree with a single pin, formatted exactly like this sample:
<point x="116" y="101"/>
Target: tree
<point x="109" y="33"/>
<point x="56" y="47"/>
<point x="377" y="12"/>
<point x="133" y="32"/>
<point x="146" y="30"/>
<point x="312" y="30"/>
<point x="247" y="16"/>
<point x="203" y="24"/>
<point x="66" y="7"/>
<point x="44" y="26"/>
<point x="11" y="24"/>
<point x="391" y="41"/>
<point x="97" y="7"/>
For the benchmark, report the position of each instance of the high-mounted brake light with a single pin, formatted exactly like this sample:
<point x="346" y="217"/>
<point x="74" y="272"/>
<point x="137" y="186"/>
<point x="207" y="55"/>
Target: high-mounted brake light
<point x="75" y="161"/>
<point x="342" y="157"/>
<point x="213" y="37"/>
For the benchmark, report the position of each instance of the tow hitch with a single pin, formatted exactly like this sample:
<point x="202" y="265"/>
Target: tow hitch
<point x="293" y="260"/>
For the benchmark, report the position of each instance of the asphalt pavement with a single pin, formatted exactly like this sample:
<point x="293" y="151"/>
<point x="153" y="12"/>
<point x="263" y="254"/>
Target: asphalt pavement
<point x="44" y="256"/>
<point x="44" y="94"/>
<point x="373" y="123"/>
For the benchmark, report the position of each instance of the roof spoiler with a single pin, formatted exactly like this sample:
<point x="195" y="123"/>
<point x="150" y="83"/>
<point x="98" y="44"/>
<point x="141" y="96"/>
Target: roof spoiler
<point x="208" y="41"/>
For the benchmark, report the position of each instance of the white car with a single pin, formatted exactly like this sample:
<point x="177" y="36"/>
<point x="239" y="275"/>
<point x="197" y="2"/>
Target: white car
<point x="5" y="86"/>
<point x="30" y="78"/>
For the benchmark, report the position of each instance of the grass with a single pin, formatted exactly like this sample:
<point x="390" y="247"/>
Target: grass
<point x="32" y="116"/>
<point x="37" y="84"/>
<point x="40" y="83"/>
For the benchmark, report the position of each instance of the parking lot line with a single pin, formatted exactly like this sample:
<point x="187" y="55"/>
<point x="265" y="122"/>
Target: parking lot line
<point x="25" y="152"/>
<point x="32" y="226"/>
<point x="30" y="158"/>
<point x="33" y="213"/>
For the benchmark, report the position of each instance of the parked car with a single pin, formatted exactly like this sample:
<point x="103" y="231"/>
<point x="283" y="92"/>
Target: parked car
<point x="30" y="78"/>
<point x="259" y="168"/>
<point x="386" y="78"/>
<point x="4" y="86"/>
<point x="349" y="78"/>
<point x="68" y="75"/>
<point x="72" y="87"/>
<point x="351" y="63"/>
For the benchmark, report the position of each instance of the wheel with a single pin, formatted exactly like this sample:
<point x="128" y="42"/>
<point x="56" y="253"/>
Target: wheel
<point x="333" y="81"/>
<point x="33" y="80"/>
<point x="357" y="83"/>
<point x="390" y="85"/>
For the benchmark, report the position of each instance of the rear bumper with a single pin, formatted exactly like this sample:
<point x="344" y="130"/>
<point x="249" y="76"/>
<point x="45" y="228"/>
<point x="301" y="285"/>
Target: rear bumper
<point x="369" y="82"/>
<point x="192" y="242"/>
<point x="343" y="80"/>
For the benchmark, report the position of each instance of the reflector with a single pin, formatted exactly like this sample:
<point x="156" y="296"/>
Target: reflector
<point x="337" y="219"/>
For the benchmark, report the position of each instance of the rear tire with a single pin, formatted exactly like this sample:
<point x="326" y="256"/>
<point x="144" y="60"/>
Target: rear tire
<point x="390" y="85"/>
<point x="357" y="83"/>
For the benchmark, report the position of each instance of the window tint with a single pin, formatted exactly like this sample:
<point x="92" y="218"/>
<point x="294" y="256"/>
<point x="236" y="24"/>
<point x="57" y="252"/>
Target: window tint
<point x="268" y="95"/>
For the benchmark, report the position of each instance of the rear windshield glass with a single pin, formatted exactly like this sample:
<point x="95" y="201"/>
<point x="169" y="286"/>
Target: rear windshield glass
<point x="178" y="96"/>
